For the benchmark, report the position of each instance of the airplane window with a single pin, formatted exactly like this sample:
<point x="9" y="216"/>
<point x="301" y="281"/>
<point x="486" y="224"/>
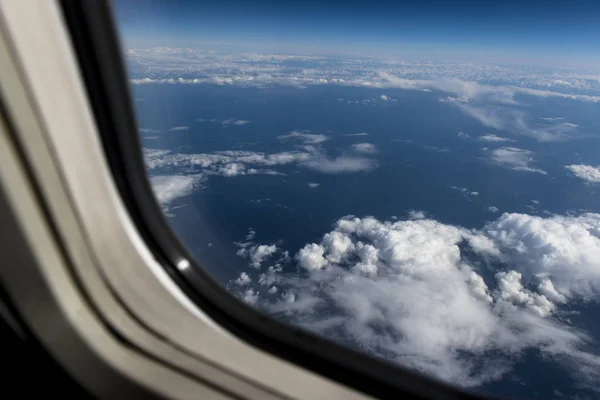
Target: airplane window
<point x="417" y="182"/>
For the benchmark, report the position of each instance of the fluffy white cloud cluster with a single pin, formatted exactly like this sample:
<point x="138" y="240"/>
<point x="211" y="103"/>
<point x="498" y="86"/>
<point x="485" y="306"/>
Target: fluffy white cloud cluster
<point x="256" y="253"/>
<point x="515" y="159"/>
<point x="420" y="292"/>
<point x="588" y="173"/>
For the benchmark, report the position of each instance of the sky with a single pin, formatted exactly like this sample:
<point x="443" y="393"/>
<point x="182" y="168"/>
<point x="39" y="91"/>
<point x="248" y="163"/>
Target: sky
<point x="549" y="32"/>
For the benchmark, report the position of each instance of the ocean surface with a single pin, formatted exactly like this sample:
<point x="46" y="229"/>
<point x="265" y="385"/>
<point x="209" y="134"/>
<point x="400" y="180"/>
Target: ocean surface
<point x="418" y="162"/>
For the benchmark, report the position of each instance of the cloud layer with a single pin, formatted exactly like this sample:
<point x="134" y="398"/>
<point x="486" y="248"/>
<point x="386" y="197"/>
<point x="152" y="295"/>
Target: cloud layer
<point x="420" y="292"/>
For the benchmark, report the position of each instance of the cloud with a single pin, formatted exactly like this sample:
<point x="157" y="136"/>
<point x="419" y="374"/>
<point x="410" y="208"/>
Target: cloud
<point x="180" y="128"/>
<point x="463" y="135"/>
<point x="516" y="121"/>
<point x="490" y="137"/>
<point x="251" y="234"/>
<point x="342" y="164"/>
<point x="232" y="163"/>
<point x="255" y="253"/>
<point x="238" y="122"/>
<point x="313" y="185"/>
<point x="465" y="192"/>
<point x="412" y="292"/>
<point x="414" y="214"/>
<point x="367" y="148"/>
<point x="307" y="138"/>
<point x="358" y="134"/>
<point x="383" y="97"/>
<point x="149" y="130"/>
<point x="515" y="159"/>
<point x="260" y="253"/>
<point x="493" y="209"/>
<point x="588" y="173"/>
<point x="170" y="187"/>
<point x="243" y="279"/>
<point x="466" y="91"/>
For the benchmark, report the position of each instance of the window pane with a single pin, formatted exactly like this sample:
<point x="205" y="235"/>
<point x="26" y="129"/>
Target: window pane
<point x="416" y="182"/>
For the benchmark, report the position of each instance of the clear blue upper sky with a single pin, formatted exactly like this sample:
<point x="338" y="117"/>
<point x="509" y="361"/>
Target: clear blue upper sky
<point x="548" y="32"/>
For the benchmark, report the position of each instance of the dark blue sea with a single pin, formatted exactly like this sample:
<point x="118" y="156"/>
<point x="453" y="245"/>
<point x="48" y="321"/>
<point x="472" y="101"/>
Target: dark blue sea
<point x="421" y="164"/>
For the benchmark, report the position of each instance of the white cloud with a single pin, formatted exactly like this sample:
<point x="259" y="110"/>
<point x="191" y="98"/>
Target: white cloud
<point x="515" y="159"/>
<point x="307" y="138"/>
<point x="233" y="163"/>
<point x="383" y="97"/>
<point x="260" y="253"/>
<point x="149" y="130"/>
<point x="367" y="148"/>
<point x="414" y="214"/>
<point x="169" y="187"/>
<point x="251" y="234"/>
<point x="180" y="128"/>
<point x="493" y="209"/>
<point x="490" y="137"/>
<point x="588" y="173"/>
<point x="243" y="279"/>
<point x="342" y="164"/>
<point x="358" y="134"/>
<point x="250" y="296"/>
<point x="465" y="192"/>
<point x="410" y="291"/>
<point x="238" y="122"/>
<point x="463" y="135"/>
<point x="313" y="185"/>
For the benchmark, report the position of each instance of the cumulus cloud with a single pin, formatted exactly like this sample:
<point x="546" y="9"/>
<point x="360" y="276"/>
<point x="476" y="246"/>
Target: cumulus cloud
<point x="243" y="279"/>
<point x="383" y="97"/>
<point x="490" y="137"/>
<point x="412" y="292"/>
<point x="493" y="209"/>
<point x="588" y="173"/>
<point x="515" y="159"/>
<point x="170" y="187"/>
<point x="368" y="148"/>
<point x="313" y="185"/>
<point x="180" y="128"/>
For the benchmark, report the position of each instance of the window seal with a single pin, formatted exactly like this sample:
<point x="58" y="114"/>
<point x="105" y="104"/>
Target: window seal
<point x="96" y="43"/>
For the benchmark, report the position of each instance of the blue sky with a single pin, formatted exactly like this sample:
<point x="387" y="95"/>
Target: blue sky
<point x="550" y="32"/>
